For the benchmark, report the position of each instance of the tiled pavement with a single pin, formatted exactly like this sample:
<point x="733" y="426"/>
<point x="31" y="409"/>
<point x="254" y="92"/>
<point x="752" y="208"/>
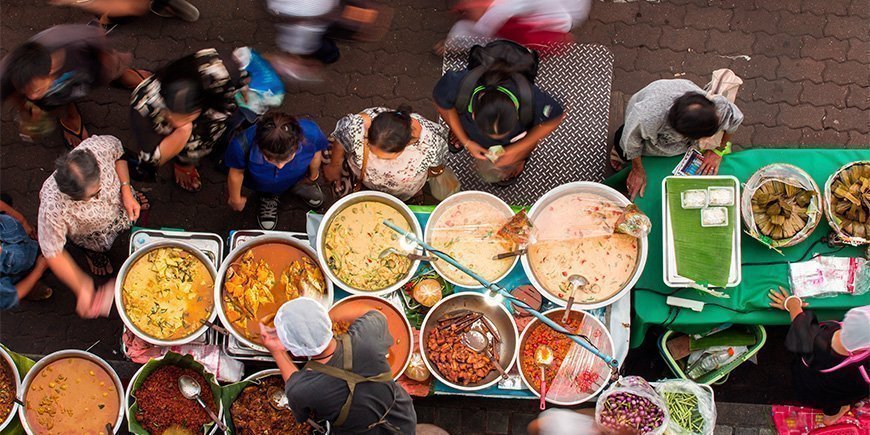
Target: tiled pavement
<point x="804" y="62"/>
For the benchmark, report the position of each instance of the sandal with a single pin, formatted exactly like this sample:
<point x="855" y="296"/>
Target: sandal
<point x="616" y="161"/>
<point x="144" y="204"/>
<point x="99" y="263"/>
<point x="40" y="292"/>
<point x="193" y="181"/>
<point x="74" y="138"/>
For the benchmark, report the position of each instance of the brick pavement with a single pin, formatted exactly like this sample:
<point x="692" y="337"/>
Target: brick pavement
<point x="804" y="62"/>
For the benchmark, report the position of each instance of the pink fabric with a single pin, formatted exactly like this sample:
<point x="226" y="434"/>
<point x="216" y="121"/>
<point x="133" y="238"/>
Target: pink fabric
<point x="800" y="420"/>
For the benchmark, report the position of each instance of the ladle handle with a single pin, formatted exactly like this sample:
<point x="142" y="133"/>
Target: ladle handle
<point x="543" y="388"/>
<point x="221" y="425"/>
<point x="568" y="309"/>
<point x="504" y="255"/>
<point x="497" y="365"/>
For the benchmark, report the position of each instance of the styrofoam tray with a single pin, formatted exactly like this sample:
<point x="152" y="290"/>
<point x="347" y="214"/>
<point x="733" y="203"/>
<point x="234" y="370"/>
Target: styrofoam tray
<point x="669" y="263"/>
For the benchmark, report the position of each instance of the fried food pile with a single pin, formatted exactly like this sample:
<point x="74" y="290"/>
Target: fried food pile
<point x="249" y="285"/>
<point x="303" y="278"/>
<point x="455" y="361"/>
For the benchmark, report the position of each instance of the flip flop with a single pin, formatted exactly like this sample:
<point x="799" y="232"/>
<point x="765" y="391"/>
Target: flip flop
<point x="99" y="263"/>
<point x="193" y="175"/>
<point x="78" y="136"/>
<point x="144" y="204"/>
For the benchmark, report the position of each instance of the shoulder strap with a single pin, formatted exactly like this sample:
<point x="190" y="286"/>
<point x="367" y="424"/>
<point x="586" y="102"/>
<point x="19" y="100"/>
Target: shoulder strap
<point x="466" y="88"/>
<point x="526" y="96"/>
<point x="365" y="157"/>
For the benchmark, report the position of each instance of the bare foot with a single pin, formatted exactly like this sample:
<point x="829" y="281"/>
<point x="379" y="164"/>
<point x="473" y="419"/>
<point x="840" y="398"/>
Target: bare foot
<point x="829" y="420"/>
<point x="187" y="177"/>
<point x="99" y="263"/>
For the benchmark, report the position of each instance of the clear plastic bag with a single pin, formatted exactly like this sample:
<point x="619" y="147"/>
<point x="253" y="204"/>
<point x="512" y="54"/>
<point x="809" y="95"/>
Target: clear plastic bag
<point x="619" y="408"/>
<point x="792" y="176"/>
<point x="690" y="407"/>
<point x="444" y="184"/>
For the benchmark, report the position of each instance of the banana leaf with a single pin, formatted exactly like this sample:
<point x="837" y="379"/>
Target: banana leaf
<point x="171" y="358"/>
<point x="415" y="311"/>
<point x="703" y="254"/>
<point x="23" y="365"/>
<point x="229" y="394"/>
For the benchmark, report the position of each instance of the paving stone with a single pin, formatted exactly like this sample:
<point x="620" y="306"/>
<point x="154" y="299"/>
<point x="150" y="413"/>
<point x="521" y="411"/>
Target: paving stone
<point x="849" y="119"/>
<point x="835" y="7"/>
<point x="663" y="14"/>
<point x="497" y="422"/>
<point x="858" y="139"/>
<point x="755" y="20"/>
<point x="858" y="96"/>
<point x="449" y="419"/>
<point x="637" y="35"/>
<point x="802" y="115"/>
<point x="598" y="33"/>
<point x="858" y="50"/>
<point x="660" y="60"/>
<point x="824" y="48"/>
<point x="520" y="423"/>
<point x="745" y="431"/>
<point x="801" y="24"/>
<point x="780" y="44"/>
<point x="723" y="430"/>
<point x="824" y="94"/>
<point x="777" y="91"/>
<point x="847" y="27"/>
<point x="827" y="136"/>
<point x="800" y="69"/>
<point x="847" y="73"/>
<point x="757" y="66"/>
<point x="616" y="12"/>
<point x="473" y="421"/>
<point x="733" y="42"/>
<point x="425" y="414"/>
<point x="793" y="6"/>
<point x="760" y="112"/>
<point x="684" y="39"/>
<point x="705" y="17"/>
<point x="765" y="431"/>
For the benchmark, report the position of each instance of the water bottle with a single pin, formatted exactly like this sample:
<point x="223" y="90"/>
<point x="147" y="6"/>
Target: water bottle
<point x="709" y="362"/>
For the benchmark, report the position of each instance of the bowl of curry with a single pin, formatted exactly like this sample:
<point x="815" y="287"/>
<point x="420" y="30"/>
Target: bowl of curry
<point x="10" y="383"/>
<point x="164" y="293"/>
<point x="71" y="391"/>
<point x="573" y="234"/>
<point x="465" y="226"/>
<point x="258" y="276"/>
<point x="361" y="254"/>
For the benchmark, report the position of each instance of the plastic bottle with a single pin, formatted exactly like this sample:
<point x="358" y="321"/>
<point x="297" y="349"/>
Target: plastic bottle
<point x="709" y="362"/>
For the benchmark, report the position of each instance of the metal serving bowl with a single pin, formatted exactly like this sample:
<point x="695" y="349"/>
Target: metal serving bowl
<point x="122" y="275"/>
<point x="497" y="314"/>
<point x="355" y="198"/>
<point x="128" y="399"/>
<point x="241" y="250"/>
<point x="13" y="370"/>
<point x="460" y="197"/>
<point x="607" y="193"/>
<point x="71" y="353"/>
<point x="556" y="315"/>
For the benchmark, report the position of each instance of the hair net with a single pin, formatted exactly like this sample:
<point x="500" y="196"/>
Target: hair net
<point x="855" y="333"/>
<point x="303" y="326"/>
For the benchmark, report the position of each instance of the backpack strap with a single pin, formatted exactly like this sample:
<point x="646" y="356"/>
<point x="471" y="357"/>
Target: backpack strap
<point x="854" y="358"/>
<point x="526" y="97"/>
<point x="467" y="87"/>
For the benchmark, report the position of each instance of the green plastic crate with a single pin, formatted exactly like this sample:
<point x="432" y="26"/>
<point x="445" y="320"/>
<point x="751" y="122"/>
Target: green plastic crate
<point x="719" y="375"/>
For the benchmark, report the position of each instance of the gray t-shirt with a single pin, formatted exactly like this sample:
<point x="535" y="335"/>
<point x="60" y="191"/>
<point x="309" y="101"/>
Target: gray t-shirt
<point x="310" y="392"/>
<point x="647" y="131"/>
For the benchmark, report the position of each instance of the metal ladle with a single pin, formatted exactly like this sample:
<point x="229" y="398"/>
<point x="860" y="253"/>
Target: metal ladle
<point x="543" y="357"/>
<point x="476" y="341"/>
<point x="191" y="390"/>
<point x="576" y="281"/>
<point x="409" y="255"/>
<point x="279" y="402"/>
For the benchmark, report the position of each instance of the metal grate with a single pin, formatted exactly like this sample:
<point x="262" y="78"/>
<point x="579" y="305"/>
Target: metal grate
<point x="580" y="79"/>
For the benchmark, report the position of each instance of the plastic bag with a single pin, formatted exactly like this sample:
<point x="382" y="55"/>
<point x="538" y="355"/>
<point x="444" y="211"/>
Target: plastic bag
<point x="829" y="276"/>
<point x="679" y="395"/>
<point x="444" y="184"/>
<point x="614" y="410"/>
<point x="787" y="174"/>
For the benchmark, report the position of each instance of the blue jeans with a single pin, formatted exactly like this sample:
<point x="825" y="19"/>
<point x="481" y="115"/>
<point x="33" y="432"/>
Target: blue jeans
<point x="17" y="257"/>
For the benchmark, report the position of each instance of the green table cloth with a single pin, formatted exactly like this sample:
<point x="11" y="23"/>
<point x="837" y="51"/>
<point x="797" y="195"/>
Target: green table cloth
<point x="762" y="267"/>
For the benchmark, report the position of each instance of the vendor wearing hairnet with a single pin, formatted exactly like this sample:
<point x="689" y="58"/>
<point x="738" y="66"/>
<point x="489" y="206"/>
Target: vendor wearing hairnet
<point x="833" y="358"/>
<point x="347" y="380"/>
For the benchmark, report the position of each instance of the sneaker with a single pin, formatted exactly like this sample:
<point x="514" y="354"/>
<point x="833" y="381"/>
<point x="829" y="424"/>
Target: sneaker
<point x="295" y="70"/>
<point x="312" y="194"/>
<point x="268" y="217"/>
<point x="176" y="8"/>
<point x="40" y="292"/>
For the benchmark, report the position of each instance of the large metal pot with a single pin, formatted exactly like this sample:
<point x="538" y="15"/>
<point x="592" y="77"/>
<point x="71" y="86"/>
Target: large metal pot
<point x="499" y="316"/>
<point x="72" y="353"/>
<point x="603" y="191"/>
<point x="122" y="275"/>
<point x="354" y="199"/>
<point x="241" y="250"/>
<point x="605" y="346"/>
<point x="128" y="400"/>
<point x="5" y="358"/>
<point x="472" y="195"/>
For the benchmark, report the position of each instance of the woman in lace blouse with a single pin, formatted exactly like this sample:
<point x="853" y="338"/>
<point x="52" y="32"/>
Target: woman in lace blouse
<point x="401" y="150"/>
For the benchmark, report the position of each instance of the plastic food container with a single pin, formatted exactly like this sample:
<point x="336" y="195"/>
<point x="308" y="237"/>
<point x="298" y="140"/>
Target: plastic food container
<point x="714" y="217"/>
<point x="720" y="196"/>
<point x="694" y="198"/>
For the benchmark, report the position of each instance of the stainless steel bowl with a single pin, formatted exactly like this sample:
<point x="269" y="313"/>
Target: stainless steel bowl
<point x="606" y="348"/>
<point x="354" y="199"/>
<point x="122" y="275"/>
<point x="128" y="400"/>
<point x="497" y="314"/>
<point x="13" y="370"/>
<point x="460" y="197"/>
<point x="608" y="193"/>
<point x="238" y="252"/>
<point x="72" y="353"/>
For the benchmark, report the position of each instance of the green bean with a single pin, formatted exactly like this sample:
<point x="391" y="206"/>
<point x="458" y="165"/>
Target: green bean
<point x="684" y="411"/>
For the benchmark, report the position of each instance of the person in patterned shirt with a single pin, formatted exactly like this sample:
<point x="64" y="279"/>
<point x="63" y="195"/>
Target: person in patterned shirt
<point x="88" y="201"/>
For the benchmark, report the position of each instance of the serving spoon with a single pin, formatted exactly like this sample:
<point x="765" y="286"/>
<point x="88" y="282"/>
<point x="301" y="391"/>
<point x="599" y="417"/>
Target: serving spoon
<point x="410" y="256"/>
<point x="279" y="401"/>
<point x="543" y="357"/>
<point x="476" y="341"/>
<point x="191" y="390"/>
<point x="576" y="281"/>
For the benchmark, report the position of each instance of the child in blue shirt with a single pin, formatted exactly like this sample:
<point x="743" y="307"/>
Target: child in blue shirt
<point x="276" y="155"/>
<point x="21" y="265"/>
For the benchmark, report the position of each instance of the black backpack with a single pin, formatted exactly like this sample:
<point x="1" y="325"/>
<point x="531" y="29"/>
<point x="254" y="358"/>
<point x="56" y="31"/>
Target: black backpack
<point x="498" y="63"/>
